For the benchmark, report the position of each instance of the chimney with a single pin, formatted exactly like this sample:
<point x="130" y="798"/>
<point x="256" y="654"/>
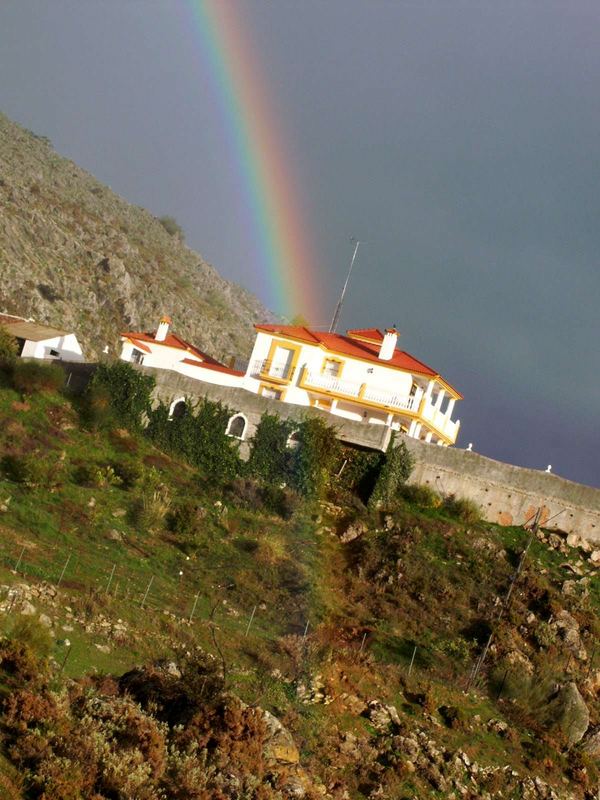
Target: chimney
<point x="386" y="351"/>
<point x="163" y="329"/>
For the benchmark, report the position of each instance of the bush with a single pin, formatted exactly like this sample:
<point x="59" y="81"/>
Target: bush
<point x="33" y="470"/>
<point x="9" y="348"/>
<point x="269" y="453"/>
<point x="395" y="471"/>
<point x="128" y="471"/>
<point x="185" y="518"/>
<point x="32" y="634"/>
<point x="29" y="377"/>
<point x="282" y="501"/>
<point x="97" y="475"/>
<point x="358" y="471"/>
<point x="150" y="509"/>
<point x="420" y="495"/>
<point x="461" y="508"/>
<point x="311" y="461"/>
<point x="172" y="227"/>
<point x="119" y="394"/>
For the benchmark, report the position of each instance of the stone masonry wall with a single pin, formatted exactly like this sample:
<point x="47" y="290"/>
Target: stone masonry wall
<point x="506" y="494"/>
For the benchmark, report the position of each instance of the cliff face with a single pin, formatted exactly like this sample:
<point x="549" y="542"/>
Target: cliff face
<point x="76" y="255"/>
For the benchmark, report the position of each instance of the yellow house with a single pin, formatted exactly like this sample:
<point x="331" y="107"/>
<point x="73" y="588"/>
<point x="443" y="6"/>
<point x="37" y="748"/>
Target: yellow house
<point x="361" y="376"/>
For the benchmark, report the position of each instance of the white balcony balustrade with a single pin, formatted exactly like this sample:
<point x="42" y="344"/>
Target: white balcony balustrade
<point x="352" y="389"/>
<point x="263" y="367"/>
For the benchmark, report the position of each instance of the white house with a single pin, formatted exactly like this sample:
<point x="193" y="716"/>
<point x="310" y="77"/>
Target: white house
<point x="361" y="376"/>
<point x="166" y="350"/>
<point x="42" y="341"/>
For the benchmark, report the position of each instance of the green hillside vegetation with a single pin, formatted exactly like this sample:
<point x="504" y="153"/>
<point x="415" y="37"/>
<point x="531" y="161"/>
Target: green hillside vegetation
<point x="165" y="606"/>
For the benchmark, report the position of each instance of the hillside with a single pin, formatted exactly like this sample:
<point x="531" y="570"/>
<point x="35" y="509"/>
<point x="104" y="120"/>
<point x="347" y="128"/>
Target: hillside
<point x="199" y="641"/>
<point x="76" y="255"/>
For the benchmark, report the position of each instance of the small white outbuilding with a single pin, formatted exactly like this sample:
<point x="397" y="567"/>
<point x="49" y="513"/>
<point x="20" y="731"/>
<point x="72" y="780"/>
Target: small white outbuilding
<point x="42" y="341"/>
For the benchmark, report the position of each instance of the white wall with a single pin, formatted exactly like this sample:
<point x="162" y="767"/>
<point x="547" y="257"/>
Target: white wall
<point x="159" y="356"/>
<point x="67" y="346"/>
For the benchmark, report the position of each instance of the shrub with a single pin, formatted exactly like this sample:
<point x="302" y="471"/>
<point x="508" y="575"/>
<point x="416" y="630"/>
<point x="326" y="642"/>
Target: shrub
<point x="358" y="471"/>
<point x="33" y="470"/>
<point x="97" y="475"/>
<point x="128" y="471"/>
<point x="31" y="633"/>
<point x="394" y="473"/>
<point x="149" y="510"/>
<point x="461" y="508"/>
<point x="311" y="461"/>
<point x="8" y="348"/>
<point x="269" y="454"/>
<point x="420" y="495"/>
<point x="121" y="394"/>
<point x="185" y="518"/>
<point x="282" y="501"/>
<point x="29" y="377"/>
<point x="172" y="227"/>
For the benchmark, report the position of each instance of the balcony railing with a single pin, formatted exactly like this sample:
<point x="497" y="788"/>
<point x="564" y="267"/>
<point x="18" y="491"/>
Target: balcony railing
<point x="353" y="389"/>
<point x="440" y="421"/>
<point x="265" y="368"/>
<point x="383" y="397"/>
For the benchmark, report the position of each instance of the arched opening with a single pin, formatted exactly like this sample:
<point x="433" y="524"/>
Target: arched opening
<point x="236" y="426"/>
<point x="178" y="408"/>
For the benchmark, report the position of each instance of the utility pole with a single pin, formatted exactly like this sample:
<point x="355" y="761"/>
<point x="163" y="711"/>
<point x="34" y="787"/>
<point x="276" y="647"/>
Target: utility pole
<point x="338" y="308"/>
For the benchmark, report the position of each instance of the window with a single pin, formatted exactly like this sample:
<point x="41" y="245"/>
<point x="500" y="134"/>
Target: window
<point x="236" y="426"/>
<point x="270" y="392"/>
<point x="54" y="353"/>
<point x="137" y="357"/>
<point x="332" y="367"/>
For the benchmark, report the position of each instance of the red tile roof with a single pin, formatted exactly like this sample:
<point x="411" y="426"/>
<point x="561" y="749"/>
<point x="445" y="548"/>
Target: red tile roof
<point x="215" y="367"/>
<point x="371" y="334"/>
<point x="171" y="340"/>
<point x="349" y="346"/>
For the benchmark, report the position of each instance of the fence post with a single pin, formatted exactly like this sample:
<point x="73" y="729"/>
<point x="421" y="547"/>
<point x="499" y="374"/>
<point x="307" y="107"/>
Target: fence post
<point x="64" y="569"/>
<point x="147" y="590"/>
<point x="194" y="606"/>
<point x="110" y="579"/>
<point x="18" y="564"/>
<point x="412" y="661"/>
<point x="250" y="621"/>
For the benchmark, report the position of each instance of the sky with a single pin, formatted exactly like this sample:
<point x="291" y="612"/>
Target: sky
<point x="458" y="141"/>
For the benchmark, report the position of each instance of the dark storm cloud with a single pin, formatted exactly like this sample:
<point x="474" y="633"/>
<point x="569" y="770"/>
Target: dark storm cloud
<point x="461" y="141"/>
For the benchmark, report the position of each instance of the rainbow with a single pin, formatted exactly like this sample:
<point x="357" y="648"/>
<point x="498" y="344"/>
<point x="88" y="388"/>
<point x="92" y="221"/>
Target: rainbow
<point x="286" y="268"/>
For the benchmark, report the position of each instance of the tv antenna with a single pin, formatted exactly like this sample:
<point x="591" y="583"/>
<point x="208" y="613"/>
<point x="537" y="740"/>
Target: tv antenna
<point x="338" y="308"/>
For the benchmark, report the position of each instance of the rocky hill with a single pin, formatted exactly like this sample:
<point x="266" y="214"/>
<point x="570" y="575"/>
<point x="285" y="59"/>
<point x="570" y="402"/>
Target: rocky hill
<point x="76" y="255"/>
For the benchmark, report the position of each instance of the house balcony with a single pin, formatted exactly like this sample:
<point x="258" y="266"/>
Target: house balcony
<point x="265" y="369"/>
<point x="440" y="421"/>
<point x="419" y="408"/>
<point x="352" y="390"/>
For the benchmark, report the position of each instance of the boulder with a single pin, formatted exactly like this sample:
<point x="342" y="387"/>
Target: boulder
<point x="353" y="531"/>
<point x="569" y="712"/>
<point x="590" y="744"/>
<point x="279" y="745"/>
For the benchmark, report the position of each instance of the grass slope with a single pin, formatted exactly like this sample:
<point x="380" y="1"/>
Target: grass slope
<point x="119" y="582"/>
